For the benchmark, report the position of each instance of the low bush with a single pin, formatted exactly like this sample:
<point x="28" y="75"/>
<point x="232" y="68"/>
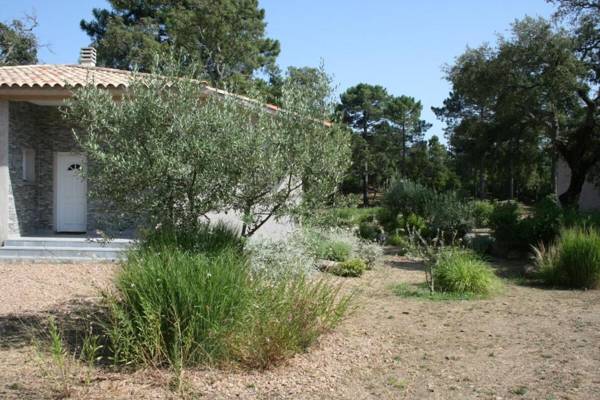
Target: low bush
<point x="338" y="245"/>
<point x="462" y="271"/>
<point x="399" y="241"/>
<point x="369" y="231"/>
<point x="414" y="222"/>
<point x="334" y="250"/>
<point x="504" y="220"/>
<point x="440" y="211"/>
<point x="280" y="259"/>
<point x="350" y="268"/>
<point x="344" y="217"/>
<point x="368" y="252"/>
<point x="573" y="260"/>
<point x="482" y="212"/>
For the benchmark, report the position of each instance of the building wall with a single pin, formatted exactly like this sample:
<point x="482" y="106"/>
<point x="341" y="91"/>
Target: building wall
<point x="4" y="176"/>
<point x="31" y="204"/>
<point x="22" y="205"/>
<point x="590" y="194"/>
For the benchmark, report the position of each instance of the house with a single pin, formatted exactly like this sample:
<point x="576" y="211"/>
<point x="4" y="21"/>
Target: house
<point x="41" y="191"/>
<point x="589" y="199"/>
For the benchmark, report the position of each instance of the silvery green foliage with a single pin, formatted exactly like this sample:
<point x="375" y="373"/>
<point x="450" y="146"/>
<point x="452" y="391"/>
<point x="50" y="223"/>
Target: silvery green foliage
<point x="366" y="251"/>
<point x="172" y="150"/>
<point x="295" y="255"/>
<point x="369" y="252"/>
<point x="162" y="152"/>
<point x="281" y="259"/>
<point x="292" y="161"/>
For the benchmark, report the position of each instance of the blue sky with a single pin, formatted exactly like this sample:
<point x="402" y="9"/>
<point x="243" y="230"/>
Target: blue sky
<point x="399" y="44"/>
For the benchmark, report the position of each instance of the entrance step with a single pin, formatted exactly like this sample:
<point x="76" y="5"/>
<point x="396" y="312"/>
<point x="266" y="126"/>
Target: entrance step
<point x="44" y="249"/>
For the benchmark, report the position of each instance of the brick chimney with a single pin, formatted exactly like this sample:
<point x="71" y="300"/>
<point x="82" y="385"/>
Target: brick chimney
<point x="87" y="57"/>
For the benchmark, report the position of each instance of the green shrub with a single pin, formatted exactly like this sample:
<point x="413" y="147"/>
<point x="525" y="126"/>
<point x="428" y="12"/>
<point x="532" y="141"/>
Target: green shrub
<point x="369" y="231"/>
<point x="276" y="260"/>
<point x="323" y="247"/>
<point x="337" y="245"/>
<point x="399" y="241"/>
<point x="545" y="222"/>
<point x="504" y="220"/>
<point x="462" y="271"/>
<point x="573" y="261"/>
<point x="350" y="268"/>
<point x="542" y="223"/>
<point x="482" y="212"/>
<point x="345" y="217"/>
<point x="334" y="251"/>
<point x="441" y="211"/>
<point x="414" y="222"/>
<point x="369" y="252"/>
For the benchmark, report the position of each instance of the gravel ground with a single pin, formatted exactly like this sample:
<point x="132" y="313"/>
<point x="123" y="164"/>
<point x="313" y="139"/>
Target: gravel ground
<point x="35" y="287"/>
<point x="527" y="343"/>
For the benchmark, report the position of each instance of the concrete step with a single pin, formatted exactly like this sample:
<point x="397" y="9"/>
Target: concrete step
<point x="33" y="252"/>
<point x="50" y="260"/>
<point x="68" y="242"/>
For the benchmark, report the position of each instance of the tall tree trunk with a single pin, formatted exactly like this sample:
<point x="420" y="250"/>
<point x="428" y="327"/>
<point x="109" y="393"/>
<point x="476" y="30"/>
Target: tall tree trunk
<point x="554" y="174"/>
<point x="366" y="170"/>
<point x="481" y="180"/>
<point x="366" y="185"/>
<point x="404" y="149"/>
<point x="511" y="180"/>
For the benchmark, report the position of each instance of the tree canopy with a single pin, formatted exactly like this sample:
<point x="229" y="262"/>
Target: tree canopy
<point x="226" y="37"/>
<point x="18" y="43"/>
<point x="533" y="92"/>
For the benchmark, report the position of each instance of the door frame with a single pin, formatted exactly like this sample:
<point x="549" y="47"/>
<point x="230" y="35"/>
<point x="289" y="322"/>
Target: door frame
<point x="56" y="208"/>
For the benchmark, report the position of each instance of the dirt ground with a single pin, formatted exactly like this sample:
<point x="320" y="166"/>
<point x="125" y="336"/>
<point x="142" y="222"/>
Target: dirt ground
<point x="527" y="343"/>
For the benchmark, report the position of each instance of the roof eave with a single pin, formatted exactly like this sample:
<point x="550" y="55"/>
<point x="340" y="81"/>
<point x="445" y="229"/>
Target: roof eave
<point x="53" y="93"/>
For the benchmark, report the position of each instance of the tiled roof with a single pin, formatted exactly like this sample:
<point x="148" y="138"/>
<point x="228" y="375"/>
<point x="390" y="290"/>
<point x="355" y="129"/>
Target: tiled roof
<point x="62" y="76"/>
<point x="57" y="76"/>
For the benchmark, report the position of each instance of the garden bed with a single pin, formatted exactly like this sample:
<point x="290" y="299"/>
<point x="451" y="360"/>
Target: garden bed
<point x="527" y="342"/>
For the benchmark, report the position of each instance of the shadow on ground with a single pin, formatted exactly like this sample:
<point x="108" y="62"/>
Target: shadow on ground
<point x="406" y="264"/>
<point x="73" y="320"/>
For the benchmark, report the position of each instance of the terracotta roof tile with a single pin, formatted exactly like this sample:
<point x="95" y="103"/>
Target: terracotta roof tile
<point x="57" y="76"/>
<point x="62" y="76"/>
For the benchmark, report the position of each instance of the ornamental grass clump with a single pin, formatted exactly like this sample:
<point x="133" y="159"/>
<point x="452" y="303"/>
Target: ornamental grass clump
<point x="179" y="308"/>
<point x="462" y="271"/>
<point x="573" y="260"/>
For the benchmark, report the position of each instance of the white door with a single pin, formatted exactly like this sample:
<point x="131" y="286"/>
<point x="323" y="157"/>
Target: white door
<point x="71" y="193"/>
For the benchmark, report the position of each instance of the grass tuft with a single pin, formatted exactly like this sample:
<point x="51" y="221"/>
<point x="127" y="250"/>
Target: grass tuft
<point x="463" y="271"/>
<point x="178" y="308"/>
<point x="573" y="261"/>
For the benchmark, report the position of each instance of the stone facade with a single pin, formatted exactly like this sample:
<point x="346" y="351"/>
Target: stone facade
<point x="31" y="204"/>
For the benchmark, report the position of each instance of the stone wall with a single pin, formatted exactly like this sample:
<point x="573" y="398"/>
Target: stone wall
<point x="23" y="201"/>
<point x="31" y="204"/>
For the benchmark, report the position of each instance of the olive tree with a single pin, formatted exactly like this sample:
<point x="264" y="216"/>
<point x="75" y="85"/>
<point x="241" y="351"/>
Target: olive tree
<point x="289" y="158"/>
<point x="172" y="150"/>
